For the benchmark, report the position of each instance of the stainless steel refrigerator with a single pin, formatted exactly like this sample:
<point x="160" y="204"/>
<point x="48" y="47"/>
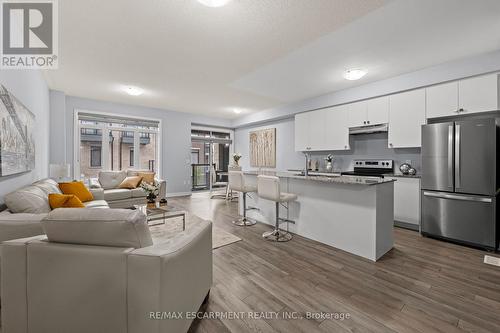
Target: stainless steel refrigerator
<point x="460" y="181"/>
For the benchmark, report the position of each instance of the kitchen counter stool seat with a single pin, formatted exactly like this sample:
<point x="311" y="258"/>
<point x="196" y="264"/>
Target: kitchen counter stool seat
<point x="268" y="187"/>
<point x="237" y="183"/>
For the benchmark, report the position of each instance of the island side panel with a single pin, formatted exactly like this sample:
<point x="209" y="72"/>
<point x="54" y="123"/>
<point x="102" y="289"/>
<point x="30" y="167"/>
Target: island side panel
<point x="385" y="219"/>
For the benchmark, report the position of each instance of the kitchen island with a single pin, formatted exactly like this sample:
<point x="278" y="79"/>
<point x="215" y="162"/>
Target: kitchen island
<point x="354" y="214"/>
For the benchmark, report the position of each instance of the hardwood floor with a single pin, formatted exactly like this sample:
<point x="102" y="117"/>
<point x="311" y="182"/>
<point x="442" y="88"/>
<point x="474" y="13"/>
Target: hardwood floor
<point x="422" y="285"/>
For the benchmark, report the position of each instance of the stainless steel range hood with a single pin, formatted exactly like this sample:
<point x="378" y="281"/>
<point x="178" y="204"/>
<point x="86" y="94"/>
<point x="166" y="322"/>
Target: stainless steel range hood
<point x="369" y="129"/>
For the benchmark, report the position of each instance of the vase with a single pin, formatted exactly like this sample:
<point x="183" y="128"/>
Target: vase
<point x="329" y="166"/>
<point x="151" y="198"/>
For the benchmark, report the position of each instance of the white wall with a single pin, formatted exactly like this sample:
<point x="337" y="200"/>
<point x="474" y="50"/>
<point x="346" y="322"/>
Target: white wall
<point x="176" y="134"/>
<point x="30" y="88"/>
<point x="286" y="157"/>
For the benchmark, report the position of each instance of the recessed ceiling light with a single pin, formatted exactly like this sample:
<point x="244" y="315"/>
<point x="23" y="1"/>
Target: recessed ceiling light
<point x="214" y="3"/>
<point x="354" y="74"/>
<point x="133" y="91"/>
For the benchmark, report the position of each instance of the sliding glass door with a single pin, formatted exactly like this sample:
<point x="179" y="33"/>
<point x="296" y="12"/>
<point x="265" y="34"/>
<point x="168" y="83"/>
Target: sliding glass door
<point x="210" y="154"/>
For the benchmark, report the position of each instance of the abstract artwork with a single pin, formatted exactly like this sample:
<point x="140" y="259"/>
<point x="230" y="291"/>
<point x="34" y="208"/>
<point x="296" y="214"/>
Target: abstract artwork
<point x="263" y="148"/>
<point x="17" y="146"/>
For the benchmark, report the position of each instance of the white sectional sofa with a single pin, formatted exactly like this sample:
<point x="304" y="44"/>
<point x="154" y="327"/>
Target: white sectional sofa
<point x="106" y="187"/>
<point x="97" y="270"/>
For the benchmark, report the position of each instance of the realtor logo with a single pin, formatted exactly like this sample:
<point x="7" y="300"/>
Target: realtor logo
<point x="29" y="34"/>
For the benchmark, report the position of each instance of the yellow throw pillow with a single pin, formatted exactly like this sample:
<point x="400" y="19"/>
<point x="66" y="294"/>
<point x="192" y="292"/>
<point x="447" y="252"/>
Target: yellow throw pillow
<point x="78" y="189"/>
<point x="147" y="177"/>
<point x="130" y="182"/>
<point x="57" y="200"/>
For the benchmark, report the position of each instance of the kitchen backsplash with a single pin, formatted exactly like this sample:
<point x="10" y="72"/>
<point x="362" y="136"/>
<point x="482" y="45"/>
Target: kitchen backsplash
<point x="369" y="146"/>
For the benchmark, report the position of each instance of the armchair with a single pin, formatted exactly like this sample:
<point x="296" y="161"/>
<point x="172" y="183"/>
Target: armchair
<point x="97" y="271"/>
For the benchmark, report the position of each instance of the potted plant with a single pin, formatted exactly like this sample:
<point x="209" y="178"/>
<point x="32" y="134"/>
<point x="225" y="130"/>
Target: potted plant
<point x="329" y="161"/>
<point x="236" y="158"/>
<point x="152" y="190"/>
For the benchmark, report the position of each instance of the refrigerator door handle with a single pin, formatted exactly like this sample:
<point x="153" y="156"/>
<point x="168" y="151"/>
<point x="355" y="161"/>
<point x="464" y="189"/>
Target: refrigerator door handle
<point x="457" y="197"/>
<point x="457" y="156"/>
<point x="450" y="156"/>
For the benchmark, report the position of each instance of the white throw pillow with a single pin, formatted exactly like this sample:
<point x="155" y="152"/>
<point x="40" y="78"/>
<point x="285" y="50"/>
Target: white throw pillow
<point x="30" y="199"/>
<point x="111" y="179"/>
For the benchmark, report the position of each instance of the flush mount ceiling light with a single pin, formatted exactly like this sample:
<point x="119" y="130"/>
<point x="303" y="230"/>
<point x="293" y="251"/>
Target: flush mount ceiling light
<point x="133" y="91"/>
<point x="214" y="3"/>
<point x="354" y="74"/>
<point x="237" y="111"/>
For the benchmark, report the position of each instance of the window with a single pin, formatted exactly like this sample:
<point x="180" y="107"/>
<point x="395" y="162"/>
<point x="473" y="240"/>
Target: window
<point x="108" y="142"/>
<point x="95" y="156"/>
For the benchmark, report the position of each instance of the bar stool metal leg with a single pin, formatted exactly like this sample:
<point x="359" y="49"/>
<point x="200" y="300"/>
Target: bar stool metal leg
<point x="244" y="221"/>
<point x="277" y="235"/>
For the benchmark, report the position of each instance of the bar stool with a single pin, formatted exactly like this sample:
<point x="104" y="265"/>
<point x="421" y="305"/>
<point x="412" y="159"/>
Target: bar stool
<point x="237" y="183"/>
<point x="268" y="187"/>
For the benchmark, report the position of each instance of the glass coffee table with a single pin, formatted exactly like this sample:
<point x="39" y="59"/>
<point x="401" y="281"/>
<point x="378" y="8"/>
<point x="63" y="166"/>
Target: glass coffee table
<point x="160" y="214"/>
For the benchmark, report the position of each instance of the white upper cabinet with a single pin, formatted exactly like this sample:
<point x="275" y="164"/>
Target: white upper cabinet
<point x="357" y="114"/>
<point x="324" y="129"/>
<point x="377" y="110"/>
<point x="442" y="100"/>
<point x="302" y="131"/>
<point x="371" y="112"/>
<point x="337" y="128"/>
<point x="478" y="94"/>
<point x="318" y="139"/>
<point x="406" y="117"/>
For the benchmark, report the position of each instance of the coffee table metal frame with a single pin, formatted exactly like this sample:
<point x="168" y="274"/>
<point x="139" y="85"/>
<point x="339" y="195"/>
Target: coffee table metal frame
<point x="164" y="213"/>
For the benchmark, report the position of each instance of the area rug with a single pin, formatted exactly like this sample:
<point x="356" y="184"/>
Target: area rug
<point x="162" y="232"/>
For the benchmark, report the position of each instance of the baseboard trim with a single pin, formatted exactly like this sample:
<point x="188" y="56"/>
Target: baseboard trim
<point x="178" y="194"/>
<point x="406" y="225"/>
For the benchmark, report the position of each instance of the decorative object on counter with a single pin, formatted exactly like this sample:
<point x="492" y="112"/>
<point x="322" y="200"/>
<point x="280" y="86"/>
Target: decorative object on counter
<point x="263" y="148"/>
<point x="329" y="161"/>
<point x="236" y="158"/>
<point x="412" y="172"/>
<point x="17" y="148"/>
<point x="152" y="191"/>
<point x="404" y="168"/>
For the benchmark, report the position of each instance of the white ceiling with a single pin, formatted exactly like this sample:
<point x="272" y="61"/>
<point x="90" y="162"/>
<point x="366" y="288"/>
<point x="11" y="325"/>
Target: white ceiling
<point x="257" y="54"/>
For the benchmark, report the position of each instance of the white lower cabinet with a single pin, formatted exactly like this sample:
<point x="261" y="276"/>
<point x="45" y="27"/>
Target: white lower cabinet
<point x="407" y="200"/>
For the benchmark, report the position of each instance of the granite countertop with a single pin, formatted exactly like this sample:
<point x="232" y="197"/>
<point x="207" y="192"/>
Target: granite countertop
<point x="333" y="179"/>
<point x="399" y="175"/>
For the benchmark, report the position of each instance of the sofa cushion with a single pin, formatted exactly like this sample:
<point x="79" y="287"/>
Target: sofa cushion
<point x="103" y="227"/>
<point x="48" y="186"/>
<point x="78" y="189"/>
<point x="111" y="179"/>
<point x="96" y="204"/>
<point x="147" y="175"/>
<point x="57" y="200"/>
<point x="22" y="225"/>
<point x="117" y="194"/>
<point x="29" y="199"/>
<point x="130" y="182"/>
<point x="138" y="193"/>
